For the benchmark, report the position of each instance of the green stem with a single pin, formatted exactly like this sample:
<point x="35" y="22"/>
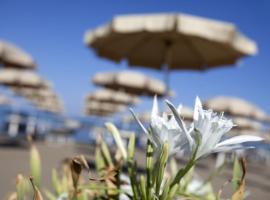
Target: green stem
<point x="149" y="158"/>
<point x="182" y="172"/>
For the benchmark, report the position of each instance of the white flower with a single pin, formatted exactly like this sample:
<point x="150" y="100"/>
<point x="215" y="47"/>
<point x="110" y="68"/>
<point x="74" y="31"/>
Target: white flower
<point x="63" y="196"/>
<point x="125" y="187"/>
<point x="164" y="129"/>
<point x="211" y="128"/>
<point x="220" y="160"/>
<point x="199" y="188"/>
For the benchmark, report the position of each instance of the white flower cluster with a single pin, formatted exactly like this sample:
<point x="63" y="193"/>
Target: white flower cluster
<point x="206" y="130"/>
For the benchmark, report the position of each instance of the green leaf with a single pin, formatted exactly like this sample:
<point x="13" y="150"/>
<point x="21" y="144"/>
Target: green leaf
<point x="173" y="166"/>
<point x="131" y="146"/>
<point x="237" y="173"/>
<point x="64" y="183"/>
<point x="99" y="161"/>
<point x="49" y="195"/>
<point x="56" y="183"/>
<point x="118" y="140"/>
<point x="132" y="166"/>
<point x="142" y="187"/>
<point x="20" y="187"/>
<point x="106" y="153"/>
<point x="239" y="193"/>
<point x="162" y="165"/>
<point x="166" y="190"/>
<point x="173" y="191"/>
<point x="149" y="159"/>
<point x="35" y="165"/>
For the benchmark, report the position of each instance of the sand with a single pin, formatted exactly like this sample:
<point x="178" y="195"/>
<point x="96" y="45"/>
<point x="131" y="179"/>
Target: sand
<point x="15" y="160"/>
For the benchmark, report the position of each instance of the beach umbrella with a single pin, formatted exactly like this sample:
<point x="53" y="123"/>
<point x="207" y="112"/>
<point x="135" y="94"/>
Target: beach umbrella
<point x="100" y="113"/>
<point x="102" y="108"/>
<point x="246" y="124"/>
<point x="107" y="107"/>
<point x="14" y="57"/>
<point x="21" y="78"/>
<point x="130" y="82"/>
<point x="111" y="96"/>
<point x="51" y="104"/>
<point x="38" y="93"/>
<point x="144" y="117"/>
<point x="236" y="107"/>
<point x="44" y="98"/>
<point x="170" y="42"/>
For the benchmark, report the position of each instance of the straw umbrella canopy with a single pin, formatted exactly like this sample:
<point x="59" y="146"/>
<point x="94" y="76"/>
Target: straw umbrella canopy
<point x="106" y="107"/>
<point x="170" y="42"/>
<point x="48" y="104"/>
<point x="102" y="109"/>
<point x="111" y="96"/>
<point x="246" y="124"/>
<point x="130" y="82"/>
<point x="96" y="112"/>
<point x="38" y="93"/>
<point x="236" y="107"/>
<point x="14" y="57"/>
<point x="21" y="78"/>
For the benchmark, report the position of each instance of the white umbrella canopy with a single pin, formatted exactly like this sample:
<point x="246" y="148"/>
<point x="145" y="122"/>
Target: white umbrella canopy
<point x="14" y="57"/>
<point x="178" y="41"/>
<point x="21" y="78"/>
<point x="130" y="82"/>
<point x="111" y="96"/>
<point x="236" y="107"/>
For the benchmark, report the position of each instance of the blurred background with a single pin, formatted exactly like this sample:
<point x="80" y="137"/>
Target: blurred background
<point x="67" y="67"/>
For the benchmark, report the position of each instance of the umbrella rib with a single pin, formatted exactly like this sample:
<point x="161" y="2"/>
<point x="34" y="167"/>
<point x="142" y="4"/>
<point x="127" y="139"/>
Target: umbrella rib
<point x="112" y="41"/>
<point x="126" y="55"/>
<point x="196" y="51"/>
<point x="144" y="39"/>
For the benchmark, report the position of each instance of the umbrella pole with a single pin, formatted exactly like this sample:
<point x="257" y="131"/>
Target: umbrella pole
<point x="166" y="68"/>
<point x="167" y="81"/>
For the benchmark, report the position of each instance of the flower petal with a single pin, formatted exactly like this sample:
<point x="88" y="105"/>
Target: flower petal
<point x="238" y="140"/>
<point x="180" y="123"/>
<point x="155" y="107"/>
<point x="230" y="148"/>
<point x="179" y="108"/>
<point x="197" y="108"/>
<point x="142" y="127"/>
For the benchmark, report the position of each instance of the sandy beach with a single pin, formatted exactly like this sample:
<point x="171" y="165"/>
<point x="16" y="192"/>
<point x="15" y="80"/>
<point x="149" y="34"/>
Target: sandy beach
<point x="15" y="160"/>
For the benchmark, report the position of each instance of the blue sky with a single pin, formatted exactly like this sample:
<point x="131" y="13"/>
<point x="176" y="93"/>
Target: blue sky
<point x="52" y="31"/>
